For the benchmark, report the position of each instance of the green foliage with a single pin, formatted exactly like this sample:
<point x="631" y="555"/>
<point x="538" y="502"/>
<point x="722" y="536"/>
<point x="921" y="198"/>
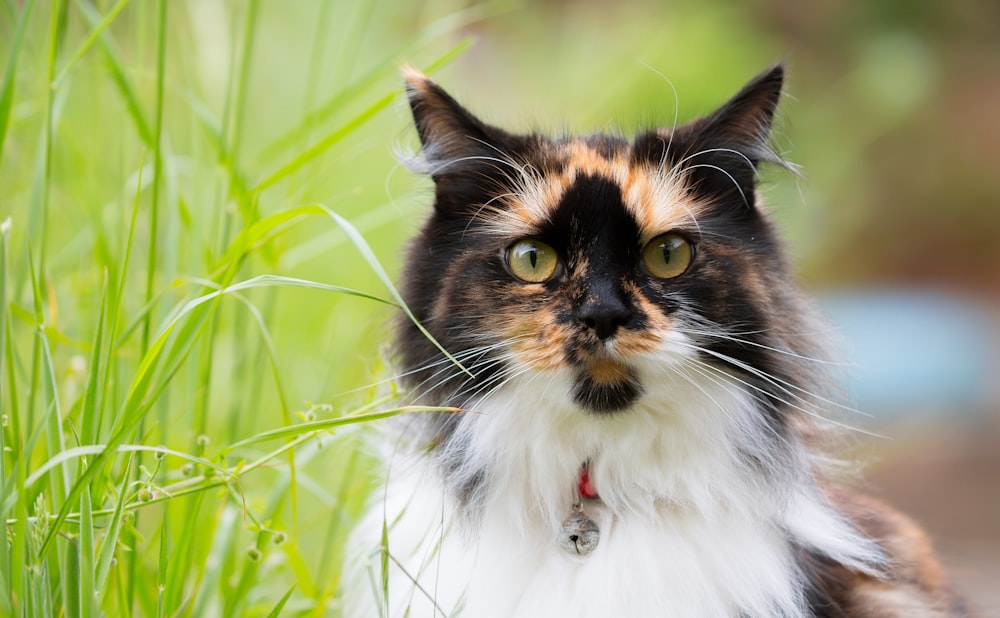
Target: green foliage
<point x="183" y="268"/>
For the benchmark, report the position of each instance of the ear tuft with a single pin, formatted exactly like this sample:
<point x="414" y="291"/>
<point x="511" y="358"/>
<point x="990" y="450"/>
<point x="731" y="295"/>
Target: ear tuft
<point x="744" y="122"/>
<point x="448" y="132"/>
<point x="723" y="150"/>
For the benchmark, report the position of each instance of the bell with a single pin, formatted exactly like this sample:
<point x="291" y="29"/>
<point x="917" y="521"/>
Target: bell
<point x="579" y="534"/>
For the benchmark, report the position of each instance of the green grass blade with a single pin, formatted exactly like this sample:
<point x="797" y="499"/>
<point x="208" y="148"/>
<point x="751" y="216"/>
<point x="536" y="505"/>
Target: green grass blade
<point x="262" y="231"/>
<point x="95" y="34"/>
<point x="239" y="104"/>
<point x="369" y="256"/>
<point x="118" y="75"/>
<point x="161" y="579"/>
<point x="180" y="568"/>
<point x="112" y="531"/>
<point x="10" y="74"/>
<point x="222" y="547"/>
<point x="326" y="424"/>
<point x="110" y="355"/>
<point x="78" y="452"/>
<point x="325" y="143"/>
<point x="261" y="281"/>
<point x="355" y="88"/>
<point x="7" y="586"/>
<point x="384" y="575"/>
<point x="154" y="210"/>
<point x="90" y="413"/>
<point x="87" y="601"/>
<point x="72" y="574"/>
<point x="274" y="613"/>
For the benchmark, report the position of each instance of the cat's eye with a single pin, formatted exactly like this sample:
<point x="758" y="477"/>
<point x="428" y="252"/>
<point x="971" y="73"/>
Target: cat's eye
<point x="531" y="260"/>
<point x="667" y="256"/>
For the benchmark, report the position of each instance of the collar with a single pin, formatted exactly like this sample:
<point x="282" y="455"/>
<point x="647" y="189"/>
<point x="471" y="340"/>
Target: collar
<point x="585" y="488"/>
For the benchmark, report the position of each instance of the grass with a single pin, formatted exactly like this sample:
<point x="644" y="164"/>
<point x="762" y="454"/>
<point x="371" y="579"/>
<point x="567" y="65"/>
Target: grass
<point x="186" y="285"/>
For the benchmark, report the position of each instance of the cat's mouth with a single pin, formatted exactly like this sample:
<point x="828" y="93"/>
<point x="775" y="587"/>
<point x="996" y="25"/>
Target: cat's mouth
<point x="606" y="385"/>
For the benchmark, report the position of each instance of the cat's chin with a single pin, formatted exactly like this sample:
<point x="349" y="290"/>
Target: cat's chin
<point x="607" y="388"/>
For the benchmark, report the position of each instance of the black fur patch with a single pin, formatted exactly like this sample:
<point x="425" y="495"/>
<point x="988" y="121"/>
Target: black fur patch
<point x="606" y="398"/>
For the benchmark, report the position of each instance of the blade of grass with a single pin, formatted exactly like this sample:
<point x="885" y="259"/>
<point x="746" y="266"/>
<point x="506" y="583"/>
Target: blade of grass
<point x="272" y="355"/>
<point x="234" y="140"/>
<point x="313" y="77"/>
<point x="348" y="128"/>
<point x="274" y="613"/>
<point x="384" y="575"/>
<point x="7" y="584"/>
<point x="320" y="425"/>
<point x="110" y="355"/>
<point x="222" y="546"/>
<point x="90" y="412"/>
<point x="87" y="601"/>
<point x="111" y="532"/>
<point x="328" y="561"/>
<point x="18" y="591"/>
<point x="77" y="452"/>
<point x="261" y="232"/>
<point x="369" y="256"/>
<point x="161" y="579"/>
<point x="453" y="23"/>
<point x="7" y="89"/>
<point x="51" y="423"/>
<point x="95" y="33"/>
<point x="181" y="568"/>
<point x="121" y="81"/>
<point x="325" y="143"/>
<point x="154" y="210"/>
<point x="71" y="579"/>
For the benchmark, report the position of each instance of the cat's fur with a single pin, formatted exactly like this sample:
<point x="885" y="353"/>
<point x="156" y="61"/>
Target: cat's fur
<point x="695" y="401"/>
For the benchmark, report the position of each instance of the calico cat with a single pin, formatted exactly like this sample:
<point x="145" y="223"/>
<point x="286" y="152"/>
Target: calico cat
<point x="640" y="387"/>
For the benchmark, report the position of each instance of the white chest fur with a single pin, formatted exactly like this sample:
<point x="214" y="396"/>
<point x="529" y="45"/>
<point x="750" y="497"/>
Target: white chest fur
<point x="687" y="528"/>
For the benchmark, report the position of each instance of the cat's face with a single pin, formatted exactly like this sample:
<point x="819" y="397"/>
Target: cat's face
<point x="593" y="256"/>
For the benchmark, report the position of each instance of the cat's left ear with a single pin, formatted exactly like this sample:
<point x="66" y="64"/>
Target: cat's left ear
<point x="726" y="147"/>
<point x="451" y="136"/>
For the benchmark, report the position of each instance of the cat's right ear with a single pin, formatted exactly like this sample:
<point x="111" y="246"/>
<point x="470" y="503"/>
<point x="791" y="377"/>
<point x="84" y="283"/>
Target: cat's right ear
<point x="449" y="135"/>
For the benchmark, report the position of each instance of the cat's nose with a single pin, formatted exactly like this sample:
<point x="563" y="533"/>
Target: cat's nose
<point x="604" y="312"/>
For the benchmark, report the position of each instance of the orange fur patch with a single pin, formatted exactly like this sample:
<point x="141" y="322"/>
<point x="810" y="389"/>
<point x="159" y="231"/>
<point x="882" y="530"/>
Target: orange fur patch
<point x="606" y="371"/>
<point x="657" y="199"/>
<point x="537" y="340"/>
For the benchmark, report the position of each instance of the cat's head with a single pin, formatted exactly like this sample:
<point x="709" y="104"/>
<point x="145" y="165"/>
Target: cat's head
<point x="597" y="256"/>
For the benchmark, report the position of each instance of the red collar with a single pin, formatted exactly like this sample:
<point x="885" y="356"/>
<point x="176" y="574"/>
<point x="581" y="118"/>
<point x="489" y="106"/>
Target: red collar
<point x="584" y="486"/>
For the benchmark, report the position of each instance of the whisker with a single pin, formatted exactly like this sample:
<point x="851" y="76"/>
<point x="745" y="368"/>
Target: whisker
<point x="749" y="342"/>
<point x="728" y="175"/>
<point x="772" y="396"/>
<point x="781" y="383"/>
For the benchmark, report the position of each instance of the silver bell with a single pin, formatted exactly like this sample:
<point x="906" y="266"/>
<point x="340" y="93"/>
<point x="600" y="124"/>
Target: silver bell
<point x="579" y="534"/>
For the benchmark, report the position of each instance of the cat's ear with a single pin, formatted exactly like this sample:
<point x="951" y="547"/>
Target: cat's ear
<point x="744" y="122"/>
<point x="725" y="148"/>
<point x="450" y="136"/>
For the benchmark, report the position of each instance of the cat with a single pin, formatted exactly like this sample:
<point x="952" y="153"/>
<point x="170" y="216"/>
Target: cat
<point x="641" y="393"/>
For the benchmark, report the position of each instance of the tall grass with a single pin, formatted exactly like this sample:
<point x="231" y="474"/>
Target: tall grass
<point x="186" y="283"/>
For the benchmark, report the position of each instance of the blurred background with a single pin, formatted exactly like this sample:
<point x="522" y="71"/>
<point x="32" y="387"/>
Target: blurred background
<point x="266" y="106"/>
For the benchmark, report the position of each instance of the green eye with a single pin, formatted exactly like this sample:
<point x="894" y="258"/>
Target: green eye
<point x="531" y="260"/>
<point x="667" y="256"/>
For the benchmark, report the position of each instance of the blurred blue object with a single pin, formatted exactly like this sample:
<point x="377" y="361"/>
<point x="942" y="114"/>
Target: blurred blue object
<point x="915" y="355"/>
